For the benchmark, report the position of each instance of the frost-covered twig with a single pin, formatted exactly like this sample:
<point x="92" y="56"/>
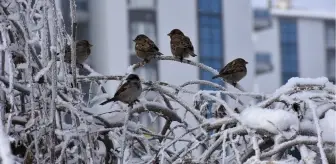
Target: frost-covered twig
<point x="217" y="86"/>
<point x="319" y="132"/>
<point x="73" y="42"/>
<point x="228" y="109"/>
<point x="156" y="108"/>
<point x="16" y="86"/>
<point x="53" y="37"/>
<point x="124" y="140"/>
<point x="196" y="114"/>
<point x="285" y="145"/>
<point x="5" y="150"/>
<point x="307" y="155"/>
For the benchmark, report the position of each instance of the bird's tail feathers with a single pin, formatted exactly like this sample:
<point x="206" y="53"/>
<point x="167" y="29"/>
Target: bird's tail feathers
<point x="214" y="77"/>
<point x="108" y="100"/>
<point x="159" y="53"/>
<point x="192" y="54"/>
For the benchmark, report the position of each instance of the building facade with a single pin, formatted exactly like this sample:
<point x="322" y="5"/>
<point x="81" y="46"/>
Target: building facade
<point x="299" y="44"/>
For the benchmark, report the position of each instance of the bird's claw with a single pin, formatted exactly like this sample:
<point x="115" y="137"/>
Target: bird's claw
<point x="132" y="103"/>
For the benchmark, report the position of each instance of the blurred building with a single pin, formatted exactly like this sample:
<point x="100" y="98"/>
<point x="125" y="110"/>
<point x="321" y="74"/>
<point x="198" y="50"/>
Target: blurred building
<point x="294" y="43"/>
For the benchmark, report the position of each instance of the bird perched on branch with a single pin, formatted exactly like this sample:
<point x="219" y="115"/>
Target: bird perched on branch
<point x="234" y="71"/>
<point x="180" y="45"/>
<point x="83" y="51"/>
<point x="145" y="48"/>
<point x="129" y="92"/>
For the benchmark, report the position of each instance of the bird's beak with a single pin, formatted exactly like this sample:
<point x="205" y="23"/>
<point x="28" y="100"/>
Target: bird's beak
<point x="168" y="34"/>
<point x="133" y="40"/>
<point x="91" y="45"/>
<point x="246" y="62"/>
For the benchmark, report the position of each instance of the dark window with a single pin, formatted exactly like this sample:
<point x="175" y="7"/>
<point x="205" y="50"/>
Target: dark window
<point x="330" y="34"/>
<point x="289" y="50"/>
<point x="330" y="50"/>
<point x="210" y="38"/>
<point x="263" y="63"/>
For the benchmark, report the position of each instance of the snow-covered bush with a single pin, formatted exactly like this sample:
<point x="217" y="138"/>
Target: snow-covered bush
<point x="45" y="120"/>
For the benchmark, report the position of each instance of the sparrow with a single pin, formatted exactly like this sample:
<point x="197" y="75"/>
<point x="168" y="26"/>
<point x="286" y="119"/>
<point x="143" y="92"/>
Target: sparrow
<point x="129" y="92"/>
<point x="83" y="51"/>
<point x="233" y="72"/>
<point x="145" y="48"/>
<point x="180" y="45"/>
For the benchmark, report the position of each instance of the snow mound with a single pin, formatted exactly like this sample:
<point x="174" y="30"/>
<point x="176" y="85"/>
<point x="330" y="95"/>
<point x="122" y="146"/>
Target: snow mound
<point x="271" y="120"/>
<point x="328" y="126"/>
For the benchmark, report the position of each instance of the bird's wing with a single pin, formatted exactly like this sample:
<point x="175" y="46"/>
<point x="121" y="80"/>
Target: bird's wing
<point x="146" y="45"/>
<point x="232" y="67"/>
<point x="122" y="88"/>
<point x="187" y="43"/>
<point x="151" y="45"/>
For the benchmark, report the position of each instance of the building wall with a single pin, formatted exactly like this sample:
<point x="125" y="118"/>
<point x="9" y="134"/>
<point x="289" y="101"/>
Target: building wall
<point x="311" y="46"/>
<point x="311" y="50"/>
<point x="238" y="36"/>
<point x="109" y="35"/>
<point x="268" y="41"/>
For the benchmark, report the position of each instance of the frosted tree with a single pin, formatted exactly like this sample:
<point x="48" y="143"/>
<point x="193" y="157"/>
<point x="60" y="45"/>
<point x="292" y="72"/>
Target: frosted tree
<point x="39" y="96"/>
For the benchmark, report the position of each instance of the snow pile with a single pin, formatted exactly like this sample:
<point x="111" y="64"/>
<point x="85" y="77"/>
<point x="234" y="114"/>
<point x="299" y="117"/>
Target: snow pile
<point x="328" y="126"/>
<point x="271" y="120"/>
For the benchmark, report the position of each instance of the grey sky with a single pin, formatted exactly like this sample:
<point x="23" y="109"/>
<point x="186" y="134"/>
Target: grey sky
<point x="316" y="5"/>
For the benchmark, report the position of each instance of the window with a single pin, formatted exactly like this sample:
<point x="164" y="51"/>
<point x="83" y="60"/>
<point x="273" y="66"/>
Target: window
<point x="288" y="46"/>
<point x="210" y="38"/>
<point x="330" y="35"/>
<point x="141" y="3"/>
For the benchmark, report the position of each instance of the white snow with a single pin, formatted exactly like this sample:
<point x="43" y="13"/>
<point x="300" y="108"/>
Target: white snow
<point x="43" y="71"/>
<point x="5" y="151"/>
<point x="267" y="119"/>
<point x="328" y="126"/>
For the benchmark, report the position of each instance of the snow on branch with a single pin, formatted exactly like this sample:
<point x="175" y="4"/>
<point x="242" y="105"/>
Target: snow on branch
<point x="45" y="120"/>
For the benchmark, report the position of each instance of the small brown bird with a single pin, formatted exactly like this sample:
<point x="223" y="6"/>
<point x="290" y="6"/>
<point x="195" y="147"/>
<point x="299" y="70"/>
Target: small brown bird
<point x="180" y="45"/>
<point x="83" y="51"/>
<point x="234" y="71"/>
<point x="145" y="48"/>
<point x="128" y="92"/>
